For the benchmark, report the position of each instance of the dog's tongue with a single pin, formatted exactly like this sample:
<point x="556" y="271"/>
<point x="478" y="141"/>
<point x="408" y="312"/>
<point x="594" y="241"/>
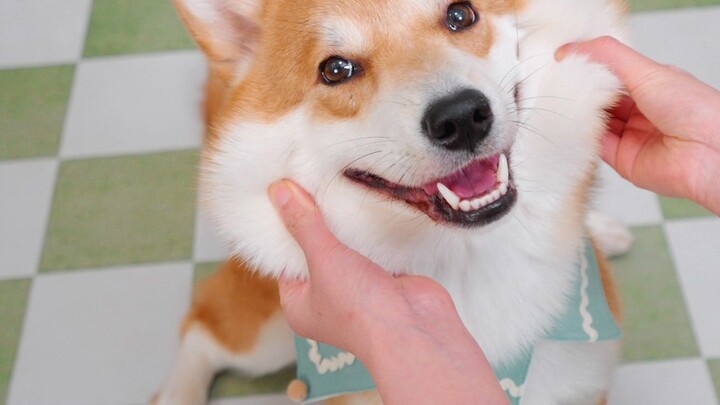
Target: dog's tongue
<point x="473" y="180"/>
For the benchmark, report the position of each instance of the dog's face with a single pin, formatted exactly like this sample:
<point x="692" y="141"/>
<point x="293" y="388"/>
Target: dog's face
<point x="400" y="117"/>
<point x="425" y="120"/>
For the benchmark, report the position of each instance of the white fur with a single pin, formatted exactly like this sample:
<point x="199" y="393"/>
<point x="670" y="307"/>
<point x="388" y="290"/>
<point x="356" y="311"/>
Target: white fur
<point x="570" y="373"/>
<point x="201" y="357"/>
<point x="611" y="236"/>
<point x="510" y="279"/>
<point x="343" y="34"/>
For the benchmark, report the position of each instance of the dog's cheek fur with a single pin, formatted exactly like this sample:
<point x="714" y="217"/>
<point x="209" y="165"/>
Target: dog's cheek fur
<point x="234" y="177"/>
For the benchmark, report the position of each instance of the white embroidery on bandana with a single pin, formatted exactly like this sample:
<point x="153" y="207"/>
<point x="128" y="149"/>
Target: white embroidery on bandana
<point x="511" y="388"/>
<point x="585" y="302"/>
<point x="331" y="364"/>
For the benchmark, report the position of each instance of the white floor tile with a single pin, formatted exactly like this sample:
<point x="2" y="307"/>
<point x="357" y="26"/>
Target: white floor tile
<point x="106" y="336"/>
<point x="259" y="400"/>
<point x="686" y="38"/>
<point x="674" y="382"/>
<point x="42" y="32"/>
<point x="622" y="200"/>
<point x="26" y="191"/>
<point x="135" y="104"/>
<point x="208" y="246"/>
<point x="695" y="246"/>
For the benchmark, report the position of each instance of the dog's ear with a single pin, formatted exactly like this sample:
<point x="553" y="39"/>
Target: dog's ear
<point x="226" y="30"/>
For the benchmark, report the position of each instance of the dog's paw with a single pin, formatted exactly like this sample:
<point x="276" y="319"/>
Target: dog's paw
<point x="612" y="237"/>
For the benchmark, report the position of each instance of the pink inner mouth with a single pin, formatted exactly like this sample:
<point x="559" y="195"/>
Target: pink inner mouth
<point x="474" y="180"/>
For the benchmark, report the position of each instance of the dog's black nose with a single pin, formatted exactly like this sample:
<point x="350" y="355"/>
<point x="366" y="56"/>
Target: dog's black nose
<point x="459" y="121"/>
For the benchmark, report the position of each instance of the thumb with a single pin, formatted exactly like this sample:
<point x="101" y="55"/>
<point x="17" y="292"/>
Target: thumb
<point x="303" y="220"/>
<point x="293" y="292"/>
<point x="295" y="301"/>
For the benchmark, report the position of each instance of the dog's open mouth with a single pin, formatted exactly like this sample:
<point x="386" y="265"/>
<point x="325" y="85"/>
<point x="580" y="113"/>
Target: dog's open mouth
<point x="475" y="195"/>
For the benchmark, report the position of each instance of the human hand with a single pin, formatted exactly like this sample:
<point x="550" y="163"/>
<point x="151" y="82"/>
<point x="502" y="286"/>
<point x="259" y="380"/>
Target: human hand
<point x="664" y="134"/>
<point x="403" y="328"/>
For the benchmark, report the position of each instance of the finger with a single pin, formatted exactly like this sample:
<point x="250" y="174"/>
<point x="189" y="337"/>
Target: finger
<point x="304" y="221"/>
<point x="616" y="126"/>
<point x="631" y="67"/>
<point x="610" y="145"/>
<point x="623" y="108"/>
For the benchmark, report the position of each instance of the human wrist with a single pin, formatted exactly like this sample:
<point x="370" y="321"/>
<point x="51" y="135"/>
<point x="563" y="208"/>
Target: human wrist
<point x="444" y="364"/>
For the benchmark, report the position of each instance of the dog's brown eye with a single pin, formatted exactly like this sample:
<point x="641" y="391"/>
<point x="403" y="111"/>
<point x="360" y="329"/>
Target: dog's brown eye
<point x="460" y="16"/>
<point x="336" y="70"/>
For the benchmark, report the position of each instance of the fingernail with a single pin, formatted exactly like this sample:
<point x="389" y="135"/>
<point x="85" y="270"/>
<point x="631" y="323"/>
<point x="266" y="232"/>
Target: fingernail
<point x="282" y="192"/>
<point x="564" y="50"/>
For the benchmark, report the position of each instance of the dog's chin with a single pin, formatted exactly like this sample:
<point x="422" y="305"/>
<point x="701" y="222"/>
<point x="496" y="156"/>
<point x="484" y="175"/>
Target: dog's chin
<point x="478" y="194"/>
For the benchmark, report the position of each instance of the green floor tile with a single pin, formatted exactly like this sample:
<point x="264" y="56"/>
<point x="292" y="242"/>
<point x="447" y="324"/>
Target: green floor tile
<point x="13" y="301"/>
<point x="675" y="208"/>
<point x="121" y="211"/>
<point x="205" y="270"/>
<point x="132" y="26"/>
<point x="714" y="366"/>
<point x="32" y="110"/>
<point x="656" y="322"/>
<point x="645" y="5"/>
<point x="232" y="385"/>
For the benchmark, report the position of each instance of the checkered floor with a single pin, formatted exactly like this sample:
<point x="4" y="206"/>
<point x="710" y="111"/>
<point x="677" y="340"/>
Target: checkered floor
<point x="101" y="241"/>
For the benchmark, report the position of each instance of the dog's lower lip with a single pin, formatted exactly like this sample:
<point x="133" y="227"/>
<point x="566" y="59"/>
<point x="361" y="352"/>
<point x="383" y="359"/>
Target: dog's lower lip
<point x="436" y="204"/>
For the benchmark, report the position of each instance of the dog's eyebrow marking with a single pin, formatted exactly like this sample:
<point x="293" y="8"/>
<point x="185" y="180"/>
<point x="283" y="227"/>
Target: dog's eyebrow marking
<point x="343" y="34"/>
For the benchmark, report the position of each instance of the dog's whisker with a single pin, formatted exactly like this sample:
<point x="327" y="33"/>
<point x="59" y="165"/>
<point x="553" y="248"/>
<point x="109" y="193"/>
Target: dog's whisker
<point x="525" y="127"/>
<point x="520" y="63"/>
<point x="341" y="171"/>
<point x="287" y="152"/>
<point x="511" y="70"/>
<point x="545" y="97"/>
<point x="374" y="139"/>
<point x="523" y="226"/>
<point x="405" y="174"/>
<point x="533" y="109"/>
<point x="409" y="102"/>
<point x="404" y="158"/>
<point x="521" y="81"/>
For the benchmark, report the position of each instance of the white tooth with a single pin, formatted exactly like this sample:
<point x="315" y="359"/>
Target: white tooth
<point x="465" y="205"/>
<point x="503" y="188"/>
<point x="485" y="201"/>
<point x="476" y="203"/>
<point x="495" y="195"/>
<point x="503" y="173"/>
<point x="449" y="196"/>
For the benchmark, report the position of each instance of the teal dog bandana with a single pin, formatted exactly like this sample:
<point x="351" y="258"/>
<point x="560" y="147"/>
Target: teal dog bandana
<point x="330" y="372"/>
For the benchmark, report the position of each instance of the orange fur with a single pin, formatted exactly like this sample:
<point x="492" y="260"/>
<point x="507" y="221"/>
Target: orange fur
<point x="215" y="97"/>
<point x="610" y="286"/>
<point x="233" y="305"/>
<point x="291" y="34"/>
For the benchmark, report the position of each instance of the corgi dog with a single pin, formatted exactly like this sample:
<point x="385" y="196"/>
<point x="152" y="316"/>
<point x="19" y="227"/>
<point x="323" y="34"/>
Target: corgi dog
<point x="439" y="138"/>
